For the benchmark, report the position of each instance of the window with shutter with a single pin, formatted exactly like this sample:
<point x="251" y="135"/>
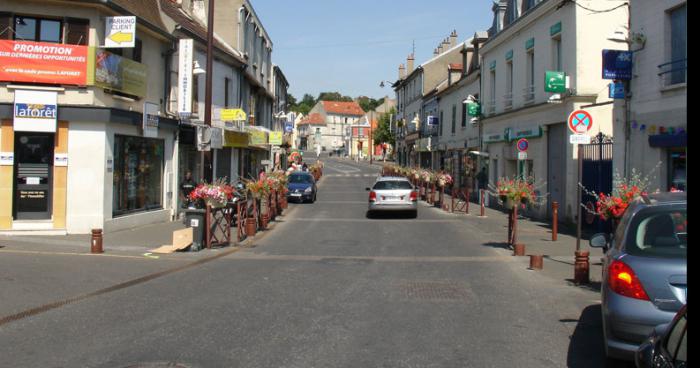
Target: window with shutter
<point x="76" y="31"/>
<point x="6" y="26"/>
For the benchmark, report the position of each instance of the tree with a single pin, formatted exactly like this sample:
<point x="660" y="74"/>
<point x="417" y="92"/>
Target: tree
<point x="383" y="132"/>
<point x="333" y="96"/>
<point x="368" y="103"/>
<point x="303" y="107"/>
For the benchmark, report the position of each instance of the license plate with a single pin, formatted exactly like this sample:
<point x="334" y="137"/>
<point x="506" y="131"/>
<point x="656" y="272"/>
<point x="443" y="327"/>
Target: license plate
<point x="296" y="194"/>
<point x="392" y="198"/>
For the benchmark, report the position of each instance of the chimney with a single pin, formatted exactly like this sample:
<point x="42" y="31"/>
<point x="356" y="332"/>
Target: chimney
<point x="435" y="52"/>
<point x="402" y="71"/>
<point x="453" y="38"/>
<point x="409" y="64"/>
<point x="445" y="44"/>
<point x="439" y="49"/>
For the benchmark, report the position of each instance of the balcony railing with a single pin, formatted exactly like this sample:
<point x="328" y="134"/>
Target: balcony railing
<point x="673" y="72"/>
<point x="529" y="94"/>
<point x="508" y="101"/>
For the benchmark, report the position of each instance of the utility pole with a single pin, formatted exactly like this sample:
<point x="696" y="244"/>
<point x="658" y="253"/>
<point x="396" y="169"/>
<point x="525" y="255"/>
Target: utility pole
<point x="209" y="76"/>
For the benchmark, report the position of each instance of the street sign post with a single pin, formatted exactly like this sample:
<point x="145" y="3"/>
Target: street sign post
<point x="580" y="121"/>
<point x="522" y="145"/>
<point x="579" y="139"/>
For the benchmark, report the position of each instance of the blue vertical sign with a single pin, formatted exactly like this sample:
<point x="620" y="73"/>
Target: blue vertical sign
<point x="617" y="64"/>
<point x="616" y="90"/>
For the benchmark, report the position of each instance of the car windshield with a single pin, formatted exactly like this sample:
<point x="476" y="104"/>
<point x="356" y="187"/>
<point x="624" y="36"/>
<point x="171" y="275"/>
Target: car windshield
<point x="392" y="184"/>
<point x="303" y="179"/>
<point x="659" y="233"/>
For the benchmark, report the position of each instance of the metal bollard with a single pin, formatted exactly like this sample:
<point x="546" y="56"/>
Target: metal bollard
<point x="536" y="261"/>
<point x="581" y="267"/>
<point x="555" y="220"/>
<point x="482" y="202"/>
<point x="96" y="241"/>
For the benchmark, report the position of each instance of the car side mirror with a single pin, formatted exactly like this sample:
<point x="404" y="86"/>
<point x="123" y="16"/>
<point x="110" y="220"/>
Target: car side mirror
<point x="367" y="189"/>
<point x="599" y="240"/>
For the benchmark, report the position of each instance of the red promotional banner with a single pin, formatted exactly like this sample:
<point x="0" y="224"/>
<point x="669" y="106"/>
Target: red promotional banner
<point x="42" y="62"/>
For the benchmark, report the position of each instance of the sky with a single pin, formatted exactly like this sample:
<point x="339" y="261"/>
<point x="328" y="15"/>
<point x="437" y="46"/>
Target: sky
<point x="350" y="46"/>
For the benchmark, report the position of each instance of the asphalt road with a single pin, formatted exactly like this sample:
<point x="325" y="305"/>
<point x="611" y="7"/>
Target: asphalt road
<point x="328" y="287"/>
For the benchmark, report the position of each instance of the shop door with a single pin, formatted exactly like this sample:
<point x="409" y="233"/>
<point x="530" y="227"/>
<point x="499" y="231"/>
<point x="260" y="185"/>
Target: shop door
<point x="33" y="175"/>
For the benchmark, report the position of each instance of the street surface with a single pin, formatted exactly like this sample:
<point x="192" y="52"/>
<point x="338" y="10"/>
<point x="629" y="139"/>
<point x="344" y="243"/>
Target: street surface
<point x="327" y="287"/>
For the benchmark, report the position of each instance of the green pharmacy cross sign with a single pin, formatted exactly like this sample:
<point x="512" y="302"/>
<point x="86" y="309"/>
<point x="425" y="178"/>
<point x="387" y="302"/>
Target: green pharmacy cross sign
<point x="473" y="109"/>
<point x="554" y="82"/>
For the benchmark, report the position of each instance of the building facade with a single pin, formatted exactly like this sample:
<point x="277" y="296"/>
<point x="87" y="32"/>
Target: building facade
<point x="655" y="130"/>
<point x="526" y="40"/>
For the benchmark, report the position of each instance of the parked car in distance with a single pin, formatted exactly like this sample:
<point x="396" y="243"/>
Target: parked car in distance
<point x="644" y="271"/>
<point x="392" y="193"/>
<point x="667" y="346"/>
<point x="301" y="187"/>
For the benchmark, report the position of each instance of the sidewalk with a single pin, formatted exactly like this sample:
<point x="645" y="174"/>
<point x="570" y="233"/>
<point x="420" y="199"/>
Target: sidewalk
<point x="558" y="262"/>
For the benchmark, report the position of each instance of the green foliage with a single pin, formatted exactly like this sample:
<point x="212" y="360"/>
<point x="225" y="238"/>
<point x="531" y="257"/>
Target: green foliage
<point x="383" y="132"/>
<point x="333" y="96"/>
<point x="368" y="103"/>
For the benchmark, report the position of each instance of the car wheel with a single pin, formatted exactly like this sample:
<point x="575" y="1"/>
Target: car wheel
<point x="370" y="214"/>
<point x="414" y="214"/>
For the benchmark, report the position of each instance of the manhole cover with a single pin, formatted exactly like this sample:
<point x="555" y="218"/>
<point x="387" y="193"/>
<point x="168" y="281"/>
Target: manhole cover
<point x="159" y="365"/>
<point x="434" y="290"/>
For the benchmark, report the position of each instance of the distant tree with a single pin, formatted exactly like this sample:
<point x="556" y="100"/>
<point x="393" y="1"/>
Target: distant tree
<point x="368" y="103"/>
<point x="383" y="132"/>
<point x="333" y="96"/>
<point x="303" y="106"/>
<point x="291" y="101"/>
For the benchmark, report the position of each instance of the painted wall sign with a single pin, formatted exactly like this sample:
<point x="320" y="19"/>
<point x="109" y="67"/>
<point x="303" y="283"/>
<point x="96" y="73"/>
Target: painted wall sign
<point x="120" y="74"/>
<point x="35" y="111"/>
<point x="120" y="31"/>
<point x="42" y="62"/>
<point x="580" y="121"/>
<point x="184" y="75"/>
<point x="617" y="64"/>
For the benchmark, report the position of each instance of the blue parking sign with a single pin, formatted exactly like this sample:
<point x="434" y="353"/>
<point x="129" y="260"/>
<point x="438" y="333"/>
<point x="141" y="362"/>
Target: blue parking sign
<point x="616" y="90"/>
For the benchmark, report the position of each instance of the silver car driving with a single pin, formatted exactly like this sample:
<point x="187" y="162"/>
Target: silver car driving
<point x="644" y="271"/>
<point x="393" y="193"/>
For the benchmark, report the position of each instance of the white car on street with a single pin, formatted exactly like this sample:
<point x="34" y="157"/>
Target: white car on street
<point x="393" y="193"/>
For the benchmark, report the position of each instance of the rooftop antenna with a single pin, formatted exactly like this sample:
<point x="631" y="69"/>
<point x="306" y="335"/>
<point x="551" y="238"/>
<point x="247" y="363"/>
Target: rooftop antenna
<point x="414" y="47"/>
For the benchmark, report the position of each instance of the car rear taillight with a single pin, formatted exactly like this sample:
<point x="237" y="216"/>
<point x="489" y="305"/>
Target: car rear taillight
<point x="372" y="196"/>
<point x="624" y="281"/>
<point x="414" y="196"/>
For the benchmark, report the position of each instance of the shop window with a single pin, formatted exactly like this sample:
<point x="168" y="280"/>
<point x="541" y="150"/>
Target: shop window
<point x="76" y="31"/>
<point x="138" y="174"/>
<point x="37" y="29"/>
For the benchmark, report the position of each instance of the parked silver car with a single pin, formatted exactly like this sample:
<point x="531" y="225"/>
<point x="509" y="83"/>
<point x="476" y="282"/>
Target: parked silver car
<point x="393" y="193"/>
<point x="644" y="271"/>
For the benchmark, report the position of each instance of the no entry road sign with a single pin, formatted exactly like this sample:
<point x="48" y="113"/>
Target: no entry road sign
<point x="580" y="121"/>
